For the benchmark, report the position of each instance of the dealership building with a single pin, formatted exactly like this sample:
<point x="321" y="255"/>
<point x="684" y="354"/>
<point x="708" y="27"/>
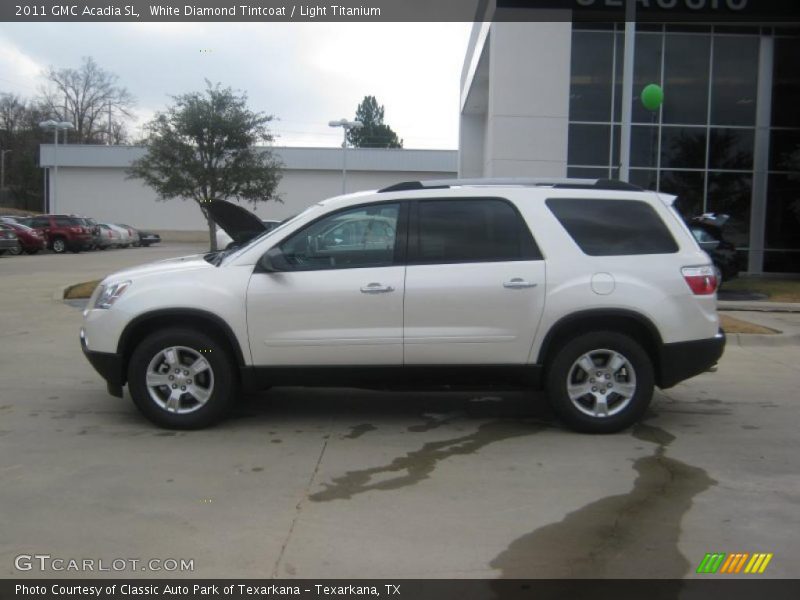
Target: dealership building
<point x="545" y="99"/>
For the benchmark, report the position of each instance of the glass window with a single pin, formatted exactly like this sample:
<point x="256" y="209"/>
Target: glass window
<point x="683" y="147"/>
<point x="731" y="149"/>
<point x="786" y="83"/>
<point x="590" y="89"/>
<point x="783" y="213"/>
<point x="644" y="146"/>
<point x="613" y="227"/>
<point x="645" y="178"/>
<point x="688" y="187"/>
<point x="40" y="222"/>
<point x="471" y="230"/>
<point x="735" y="80"/>
<point x="731" y="194"/>
<point x="783" y="142"/>
<point x="702" y="236"/>
<point x="584" y="173"/>
<point x="358" y="237"/>
<point x="588" y="145"/>
<point x="686" y="78"/>
<point x="646" y="70"/>
<point x="67" y="222"/>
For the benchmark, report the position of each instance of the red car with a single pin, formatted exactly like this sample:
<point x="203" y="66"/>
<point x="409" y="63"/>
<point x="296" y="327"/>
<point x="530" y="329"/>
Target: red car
<point x="64" y="232"/>
<point x="30" y="240"/>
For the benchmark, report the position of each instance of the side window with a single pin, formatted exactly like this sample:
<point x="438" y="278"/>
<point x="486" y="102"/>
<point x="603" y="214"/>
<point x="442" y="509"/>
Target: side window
<point x="613" y="227"/>
<point x="359" y="237"/>
<point x="40" y="222"/>
<point x="702" y="236"/>
<point x="471" y="230"/>
<point x="65" y="222"/>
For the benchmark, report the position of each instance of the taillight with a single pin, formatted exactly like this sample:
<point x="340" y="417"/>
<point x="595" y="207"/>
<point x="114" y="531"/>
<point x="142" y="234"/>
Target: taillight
<point x="701" y="280"/>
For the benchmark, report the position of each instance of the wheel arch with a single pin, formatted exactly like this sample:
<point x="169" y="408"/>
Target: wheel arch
<point x="628" y="322"/>
<point x="201" y="320"/>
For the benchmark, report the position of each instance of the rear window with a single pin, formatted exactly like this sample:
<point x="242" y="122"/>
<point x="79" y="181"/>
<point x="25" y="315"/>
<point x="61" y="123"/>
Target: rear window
<point x="613" y="227"/>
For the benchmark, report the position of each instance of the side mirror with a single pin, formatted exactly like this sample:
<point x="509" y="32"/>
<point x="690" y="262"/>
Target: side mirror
<point x="274" y="261"/>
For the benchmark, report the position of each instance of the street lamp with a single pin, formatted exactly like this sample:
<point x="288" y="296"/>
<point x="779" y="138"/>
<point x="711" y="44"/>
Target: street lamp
<point x="346" y="126"/>
<point x="56" y="126"/>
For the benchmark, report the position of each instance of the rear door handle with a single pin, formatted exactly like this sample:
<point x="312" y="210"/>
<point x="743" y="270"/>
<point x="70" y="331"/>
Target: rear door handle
<point x="376" y="288"/>
<point x="518" y="284"/>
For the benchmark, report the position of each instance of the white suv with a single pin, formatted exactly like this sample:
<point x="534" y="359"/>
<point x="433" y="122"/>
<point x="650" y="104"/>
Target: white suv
<point x="592" y="289"/>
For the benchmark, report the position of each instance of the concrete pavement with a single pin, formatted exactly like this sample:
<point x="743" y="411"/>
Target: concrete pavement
<point x="349" y="483"/>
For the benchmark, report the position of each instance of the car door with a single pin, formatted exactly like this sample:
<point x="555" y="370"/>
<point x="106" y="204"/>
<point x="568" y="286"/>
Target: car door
<point x="337" y="296"/>
<point x="475" y="284"/>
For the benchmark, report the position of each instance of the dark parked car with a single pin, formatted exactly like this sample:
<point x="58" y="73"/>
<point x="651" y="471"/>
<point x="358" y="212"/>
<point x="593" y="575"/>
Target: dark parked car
<point x="30" y="240"/>
<point x="8" y="240"/>
<point x="707" y="230"/>
<point x="148" y="237"/>
<point x="64" y="232"/>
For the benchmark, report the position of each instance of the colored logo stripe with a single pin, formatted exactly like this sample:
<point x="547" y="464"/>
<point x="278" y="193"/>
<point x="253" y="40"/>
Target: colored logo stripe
<point x="720" y="562"/>
<point x="711" y="563"/>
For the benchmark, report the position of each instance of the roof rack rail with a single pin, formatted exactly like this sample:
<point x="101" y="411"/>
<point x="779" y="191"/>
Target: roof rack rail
<point x="560" y="183"/>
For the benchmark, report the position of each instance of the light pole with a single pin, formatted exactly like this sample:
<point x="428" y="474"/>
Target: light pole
<point x="56" y="126"/>
<point x="346" y="126"/>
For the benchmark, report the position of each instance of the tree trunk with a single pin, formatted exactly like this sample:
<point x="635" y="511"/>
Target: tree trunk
<point x="212" y="230"/>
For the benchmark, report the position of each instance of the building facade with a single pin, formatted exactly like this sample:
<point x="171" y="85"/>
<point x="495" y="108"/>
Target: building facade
<point x="544" y="99"/>
<point x="92" y="181"/>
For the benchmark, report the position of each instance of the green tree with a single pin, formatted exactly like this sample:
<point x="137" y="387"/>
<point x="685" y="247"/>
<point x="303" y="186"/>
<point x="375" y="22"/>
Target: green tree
<point x="374" y="133"/>
<point x="208" y="146"/>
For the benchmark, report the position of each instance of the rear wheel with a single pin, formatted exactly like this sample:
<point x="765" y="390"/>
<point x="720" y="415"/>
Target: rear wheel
<point x="600" y="382"/>
<point x="59" y="245"/>
<point x="16" y="250"/>
<point x="182" y="379"/>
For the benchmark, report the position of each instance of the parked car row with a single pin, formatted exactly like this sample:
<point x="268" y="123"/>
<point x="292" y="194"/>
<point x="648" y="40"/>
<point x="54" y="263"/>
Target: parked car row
<point x="61" y="233"/>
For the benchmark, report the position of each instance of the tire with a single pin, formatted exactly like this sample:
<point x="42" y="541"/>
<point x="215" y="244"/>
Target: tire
<point x="59" y="245"/>
<point x="625" y="387"/>
<point x="218" y="376"/>
<point x="16" y="251"/>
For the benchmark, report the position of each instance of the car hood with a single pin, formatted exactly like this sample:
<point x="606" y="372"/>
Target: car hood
<point x="183" y="263"/>
<point x="239" y="223"/>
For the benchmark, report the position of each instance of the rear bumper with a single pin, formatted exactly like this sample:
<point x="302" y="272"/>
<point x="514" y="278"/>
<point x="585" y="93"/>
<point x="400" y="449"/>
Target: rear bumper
<point x="108" y="365"/>
<point x="682" y="360"/>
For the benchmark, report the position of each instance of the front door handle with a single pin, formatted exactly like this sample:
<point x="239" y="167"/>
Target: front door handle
<point x="376" y="288"/>
<point x="518" y="284"/>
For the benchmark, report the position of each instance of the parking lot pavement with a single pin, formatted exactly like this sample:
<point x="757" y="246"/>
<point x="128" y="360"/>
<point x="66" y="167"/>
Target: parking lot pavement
<point x="347" y="483"/>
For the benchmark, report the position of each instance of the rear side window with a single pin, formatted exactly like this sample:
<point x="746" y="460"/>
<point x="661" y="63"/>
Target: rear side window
<point x="613" y="227"/>
<point x="40" y="222"/>
<point x="67" y="221"/>
<point x="470" y="230"/>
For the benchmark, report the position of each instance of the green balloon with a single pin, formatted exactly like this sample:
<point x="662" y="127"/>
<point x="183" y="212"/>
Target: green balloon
<point x="652" y="97"/>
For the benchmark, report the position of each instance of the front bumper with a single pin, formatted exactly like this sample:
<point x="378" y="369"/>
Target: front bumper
<point x="682" y="360"/>
<point x="108" y="365"/>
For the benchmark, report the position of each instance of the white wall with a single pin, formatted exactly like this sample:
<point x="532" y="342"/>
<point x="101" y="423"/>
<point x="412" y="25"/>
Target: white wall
<point x="107" y="195"/>
<point x="527" y="110"/>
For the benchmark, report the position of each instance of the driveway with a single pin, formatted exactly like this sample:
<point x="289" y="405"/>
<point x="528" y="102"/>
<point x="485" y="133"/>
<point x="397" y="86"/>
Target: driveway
<point x="349" y="483"/>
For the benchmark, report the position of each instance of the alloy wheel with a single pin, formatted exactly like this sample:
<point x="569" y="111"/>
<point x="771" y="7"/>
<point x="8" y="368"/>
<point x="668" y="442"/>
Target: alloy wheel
<point x="179" y="380"/>
<point x="601" y="383"/>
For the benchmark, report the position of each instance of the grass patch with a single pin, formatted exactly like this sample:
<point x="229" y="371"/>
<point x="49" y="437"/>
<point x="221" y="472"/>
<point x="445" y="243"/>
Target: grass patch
<point x="777" y="290"/>
<point x="16" y="212"/>
<point x="732" y="325"/>
<point x="81" y="290"/>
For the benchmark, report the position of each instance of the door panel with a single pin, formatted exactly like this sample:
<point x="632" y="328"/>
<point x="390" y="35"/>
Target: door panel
<point x="472" y="313"/>
<point x="324" y="317"/>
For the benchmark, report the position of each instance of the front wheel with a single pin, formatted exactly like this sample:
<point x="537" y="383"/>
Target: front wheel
<point x="182" y="379"/>
<point x="600" y="382"/>
<point x="59" y="245"/>
<point x="15" y="251"/>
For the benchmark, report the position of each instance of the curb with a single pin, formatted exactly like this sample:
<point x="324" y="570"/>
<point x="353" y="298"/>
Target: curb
<point x="763" y="340"/>
<point x="776" y="307"/>
<point x="58" y="294"/>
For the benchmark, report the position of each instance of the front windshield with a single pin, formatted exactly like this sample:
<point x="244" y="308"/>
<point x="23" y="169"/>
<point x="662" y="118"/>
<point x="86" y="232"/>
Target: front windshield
<point x="238" y="250"/>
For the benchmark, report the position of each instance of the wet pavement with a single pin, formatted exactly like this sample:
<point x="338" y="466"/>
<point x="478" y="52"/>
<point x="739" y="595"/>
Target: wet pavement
<point x="354" y="483"/>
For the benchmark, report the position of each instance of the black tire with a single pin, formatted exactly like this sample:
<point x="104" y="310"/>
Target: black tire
<point x="16" y="251"/>
<point x="623" y="411"/>
<point x="222" y="367"/>
<point x="59" y="245"/>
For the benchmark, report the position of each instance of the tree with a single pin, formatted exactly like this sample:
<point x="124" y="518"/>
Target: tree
<point x="87" y="97"/>
<point x="204" y="147"/>
<point x="374" y="133"/>
<point x="21" y="135"/>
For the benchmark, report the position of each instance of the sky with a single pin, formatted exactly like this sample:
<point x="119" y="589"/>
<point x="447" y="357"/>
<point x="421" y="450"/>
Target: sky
<point x="305" y="74"/>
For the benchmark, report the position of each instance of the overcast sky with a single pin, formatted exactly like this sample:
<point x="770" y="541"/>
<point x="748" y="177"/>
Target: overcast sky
<point x="305" y="74"/>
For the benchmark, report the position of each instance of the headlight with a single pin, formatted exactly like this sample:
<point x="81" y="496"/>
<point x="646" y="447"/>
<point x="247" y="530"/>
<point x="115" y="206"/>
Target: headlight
<point x="109" y="294"/>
